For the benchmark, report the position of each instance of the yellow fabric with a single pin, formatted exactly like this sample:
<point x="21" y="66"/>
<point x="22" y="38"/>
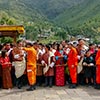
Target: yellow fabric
<point x="31" y="73"/>
<point x="31" y="56"/>
<point x="31" y="64"/>
<point x="20" y="28"/>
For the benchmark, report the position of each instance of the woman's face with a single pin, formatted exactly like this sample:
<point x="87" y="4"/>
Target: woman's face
<point x="88" y="54"/>
<point x="60" y="47"/>
<point x="55" y="47"/>
<point x="46" y="49"/>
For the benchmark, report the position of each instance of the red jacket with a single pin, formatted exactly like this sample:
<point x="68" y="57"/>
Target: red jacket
<point x="97" y="59"/>
<point x="72" y="57"/>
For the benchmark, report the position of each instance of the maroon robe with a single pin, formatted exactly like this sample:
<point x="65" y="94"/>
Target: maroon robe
<point x="6" y="75"/>
<point x="50" y="71"/>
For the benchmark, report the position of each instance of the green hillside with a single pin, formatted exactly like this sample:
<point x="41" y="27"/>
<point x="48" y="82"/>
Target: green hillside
<point x="73" y="16"/>
<point x="19" y="10"/>
<point x="36" y="9"/>
<point x="53" y="8"/>
<point x="87" y="12"/>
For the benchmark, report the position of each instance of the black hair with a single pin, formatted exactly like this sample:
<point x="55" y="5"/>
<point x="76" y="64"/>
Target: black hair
<point x="19" y="41"/>
<point x="3" y="53"/>
<point x="91" y="44"/>
<point x="1" y="46"/>
<point x="58" y="46"/>
<point x="48" y="46"/>
<point x="29" y="44"/>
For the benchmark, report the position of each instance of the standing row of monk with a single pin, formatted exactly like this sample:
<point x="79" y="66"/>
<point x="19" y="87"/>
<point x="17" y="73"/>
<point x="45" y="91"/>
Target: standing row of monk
<point x="48" y="65"/>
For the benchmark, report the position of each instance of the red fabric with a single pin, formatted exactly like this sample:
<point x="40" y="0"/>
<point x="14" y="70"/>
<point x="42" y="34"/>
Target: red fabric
<point x="5" y="62"/>
<point x="98" y="74"/>
<point x="97" y="59"/>
<point x="73" y="61"/>
<point x="73" y="74"/>
<point x="59" y="71"/>
<point x="59" y="77"/>
<point x="72" y="57"/>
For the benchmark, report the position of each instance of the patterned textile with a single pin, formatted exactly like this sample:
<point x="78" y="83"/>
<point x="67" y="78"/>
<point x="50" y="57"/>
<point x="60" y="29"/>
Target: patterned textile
<point x="60" y="78"/>
<point x="59" y="70"/>
<point x="6" y="78"/>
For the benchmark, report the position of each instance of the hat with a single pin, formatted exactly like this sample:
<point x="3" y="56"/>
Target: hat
<point x="70" y="43"/>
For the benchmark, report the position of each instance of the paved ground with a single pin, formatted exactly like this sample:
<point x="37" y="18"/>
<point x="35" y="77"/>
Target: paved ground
<point x="55" y="93"/>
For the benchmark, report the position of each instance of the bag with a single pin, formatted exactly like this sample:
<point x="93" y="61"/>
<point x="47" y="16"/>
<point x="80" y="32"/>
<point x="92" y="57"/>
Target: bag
<point x="45" y="69"/>
<point x="80" y="66"/>
<point x="66" y="70"/>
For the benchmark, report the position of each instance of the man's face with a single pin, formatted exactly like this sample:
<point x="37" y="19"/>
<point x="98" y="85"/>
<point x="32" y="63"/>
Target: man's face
<point x="7" y="46"/>
<point x="20" y="44"/>
<point x="69" y="45"/>
<point x="81" y="42"/>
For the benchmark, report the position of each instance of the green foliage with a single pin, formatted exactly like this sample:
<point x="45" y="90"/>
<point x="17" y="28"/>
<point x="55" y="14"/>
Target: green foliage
<point x="6" y="40"/>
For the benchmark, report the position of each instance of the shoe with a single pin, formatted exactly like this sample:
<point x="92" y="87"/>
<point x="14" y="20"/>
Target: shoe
<point x="31" y="88"/>
<point x="50" y="86"/>
<point x="97" y="87"/>
<point x="19" y="86"/>
<point x="72" y="86"/>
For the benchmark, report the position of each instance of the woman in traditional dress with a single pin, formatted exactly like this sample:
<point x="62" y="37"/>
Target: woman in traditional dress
<point x="88" y="64"/>
<point x="59" y="66"/>
<point x="6" y="68"/>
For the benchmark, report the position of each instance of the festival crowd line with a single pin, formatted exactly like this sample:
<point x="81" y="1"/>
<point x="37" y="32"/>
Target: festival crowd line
<point x="56" y="64"/>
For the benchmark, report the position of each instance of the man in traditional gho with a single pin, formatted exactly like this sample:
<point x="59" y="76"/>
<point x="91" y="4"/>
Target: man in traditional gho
<point x="72" y="65"/>
<point x="39" y="65"/>
<point x="81" y="50"/>
<point x="19" y="63"/>
<point x="48" y="70"/>
<point x="31" y="65"/>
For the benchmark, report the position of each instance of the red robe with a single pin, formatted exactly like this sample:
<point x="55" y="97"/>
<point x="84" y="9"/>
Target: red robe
<point x="59" y="70"/>
<point x="73" y="61"/>
<point x="98" y="67"/>
<point x="6" y="75"/>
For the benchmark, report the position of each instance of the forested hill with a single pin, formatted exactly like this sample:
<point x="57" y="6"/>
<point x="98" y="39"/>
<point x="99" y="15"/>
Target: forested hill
<point x="76" y="16"/>
<point x="85" y="13"/>
<point x="36" y="9"/>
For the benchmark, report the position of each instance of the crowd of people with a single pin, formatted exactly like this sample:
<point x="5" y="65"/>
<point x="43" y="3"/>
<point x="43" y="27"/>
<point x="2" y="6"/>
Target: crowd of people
<point x="35" y="64"/>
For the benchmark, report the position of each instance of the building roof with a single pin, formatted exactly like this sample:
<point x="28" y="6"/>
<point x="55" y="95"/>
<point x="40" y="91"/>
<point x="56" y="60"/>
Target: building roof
<point x="12" y="31"/>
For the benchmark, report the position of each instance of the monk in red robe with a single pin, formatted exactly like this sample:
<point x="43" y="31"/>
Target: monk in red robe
<point x="72" y="65"/>
<point x="97" y="59"/>
<point x="31" y="66"/>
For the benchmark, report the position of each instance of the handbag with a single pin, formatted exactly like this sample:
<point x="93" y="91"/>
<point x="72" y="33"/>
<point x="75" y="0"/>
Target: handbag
<point x="80" y="66"/>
